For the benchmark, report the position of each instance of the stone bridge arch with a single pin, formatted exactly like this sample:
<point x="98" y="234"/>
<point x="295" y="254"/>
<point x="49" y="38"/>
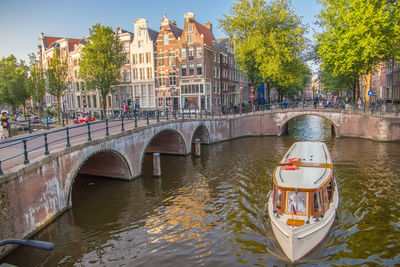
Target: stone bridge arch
<point x="283" y="126"/>
<point x="101" y="162"/>
<point x="201" y="132"/>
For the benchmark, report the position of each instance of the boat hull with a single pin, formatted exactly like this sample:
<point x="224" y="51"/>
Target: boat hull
<point x="296" y="242"/>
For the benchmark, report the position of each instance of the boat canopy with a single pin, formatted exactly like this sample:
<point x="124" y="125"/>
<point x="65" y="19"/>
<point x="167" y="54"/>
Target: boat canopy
<point x="310" y="169"/>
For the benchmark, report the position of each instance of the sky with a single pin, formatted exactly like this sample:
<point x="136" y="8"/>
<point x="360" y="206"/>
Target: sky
<point x="22" y="21"/>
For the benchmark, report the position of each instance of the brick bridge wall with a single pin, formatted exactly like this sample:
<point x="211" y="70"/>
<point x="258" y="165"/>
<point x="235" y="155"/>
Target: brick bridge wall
<point x="37" y="193"/>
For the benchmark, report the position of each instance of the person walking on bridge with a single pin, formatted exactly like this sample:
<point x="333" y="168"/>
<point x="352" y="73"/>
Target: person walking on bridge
<point x="4" y="124"/>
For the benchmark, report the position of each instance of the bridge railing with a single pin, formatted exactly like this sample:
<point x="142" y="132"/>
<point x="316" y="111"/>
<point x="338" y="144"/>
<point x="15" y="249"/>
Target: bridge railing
<point x="21" y="149"/>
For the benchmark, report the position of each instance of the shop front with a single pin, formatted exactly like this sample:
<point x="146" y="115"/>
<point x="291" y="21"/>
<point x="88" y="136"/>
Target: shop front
<point x="195" y="96"/>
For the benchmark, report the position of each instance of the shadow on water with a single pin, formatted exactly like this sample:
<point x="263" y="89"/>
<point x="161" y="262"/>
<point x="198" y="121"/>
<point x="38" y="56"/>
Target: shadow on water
<point x="210" y="210"/>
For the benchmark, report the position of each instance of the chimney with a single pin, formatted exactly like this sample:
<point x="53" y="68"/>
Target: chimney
<point x="209" y="26"/>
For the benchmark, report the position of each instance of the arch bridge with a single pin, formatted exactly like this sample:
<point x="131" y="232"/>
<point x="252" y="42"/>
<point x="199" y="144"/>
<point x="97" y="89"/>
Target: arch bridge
<point x="34" y="194"/>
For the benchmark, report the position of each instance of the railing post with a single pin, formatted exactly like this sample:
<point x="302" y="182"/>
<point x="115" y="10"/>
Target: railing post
<point x="1" y="171"/>
<point x="175" y="111"/>
<point x="183" y="114"/>
<point x="122" y="124"/>
<point x="135" y="119"/>
<point x="158" y="115"/>
<point x="189" y="114"/>
<point x="9" y="131"/>
<point x="26" y="161"/>
<point x="166" y="114"/>
<point x="147" y="117"/>
<point x="201" y="111"/>
<point x="195" y="114"/>
<point x="63" y="122"/>
<point x="47" y="122"/>
<point x="46" y="145"/>
<point x="29" y="126"/>
<point x="107" y="132"/>
<point x="205" y="111"/>
<point x="88" y="127"/>
<point x="68" y="143"/>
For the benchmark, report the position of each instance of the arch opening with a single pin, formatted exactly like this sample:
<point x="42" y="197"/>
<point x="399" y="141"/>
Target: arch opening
<point x="201" y="133"/>
<point x="167" y="142"/>
<point x="101" y="164"/>
<point x="309" y="124"/>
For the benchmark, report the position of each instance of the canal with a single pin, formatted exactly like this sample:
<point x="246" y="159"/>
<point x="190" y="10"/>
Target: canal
<point x="210" y="210"/>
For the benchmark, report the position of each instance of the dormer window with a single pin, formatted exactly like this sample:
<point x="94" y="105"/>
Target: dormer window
<point x="166" y="39"/>
<point x="189" y="27"/>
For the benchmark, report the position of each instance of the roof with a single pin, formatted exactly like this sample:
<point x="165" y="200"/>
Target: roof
<point x="72" y="43"/>
<point x="49" y="40"/>
<point x="223" y="44"/>
<point x="315" y="166"/>
<point x="152" y="34"/>
<point x="207" y="34"/>
<point x="175" y="30"/>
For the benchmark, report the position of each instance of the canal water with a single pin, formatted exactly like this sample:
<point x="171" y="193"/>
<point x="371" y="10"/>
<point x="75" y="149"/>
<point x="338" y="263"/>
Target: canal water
<point x="210" y="210"/>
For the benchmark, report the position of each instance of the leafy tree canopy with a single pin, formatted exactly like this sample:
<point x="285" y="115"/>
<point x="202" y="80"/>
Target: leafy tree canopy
<point x="13" y="81"/>
<point x="36" y="82"/>
<point x="101" y="60"/>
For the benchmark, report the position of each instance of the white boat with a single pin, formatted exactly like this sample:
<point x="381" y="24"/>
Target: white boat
<point x="304" y="199"/>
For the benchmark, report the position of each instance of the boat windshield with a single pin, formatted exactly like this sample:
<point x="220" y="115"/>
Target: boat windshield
<point x="296" y="202"/>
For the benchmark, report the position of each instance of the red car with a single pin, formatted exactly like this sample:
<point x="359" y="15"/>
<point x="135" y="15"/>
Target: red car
<point x="82" y="119"/>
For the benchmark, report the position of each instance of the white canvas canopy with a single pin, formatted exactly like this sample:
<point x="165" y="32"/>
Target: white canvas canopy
<point x="315" y="166"/>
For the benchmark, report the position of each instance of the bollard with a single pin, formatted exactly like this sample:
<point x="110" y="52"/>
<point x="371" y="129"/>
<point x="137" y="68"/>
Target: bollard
<point x="88" y="127"/>
<point x="122" y="124"/>
<point x="26" y="161"/>
<point x="68" y="143"/>
<point x="107" y="132"/>
<point x="197" y="147"/>
<point x="46" y="145"/>
<point x="156" y="164"/>
<point x="29" y="126"/>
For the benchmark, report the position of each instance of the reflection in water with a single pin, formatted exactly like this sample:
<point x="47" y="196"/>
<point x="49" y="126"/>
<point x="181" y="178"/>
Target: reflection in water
<point x="210" y="210"/>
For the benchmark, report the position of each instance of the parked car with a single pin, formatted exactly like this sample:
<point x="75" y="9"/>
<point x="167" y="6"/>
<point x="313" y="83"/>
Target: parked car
<point x="82" y="119"/>
<point x="35" y="119"/>
<point x="51" y="120"/>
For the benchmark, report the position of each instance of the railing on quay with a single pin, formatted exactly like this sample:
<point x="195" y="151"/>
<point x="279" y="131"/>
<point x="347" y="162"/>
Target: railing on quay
<point x="34" y="145"/>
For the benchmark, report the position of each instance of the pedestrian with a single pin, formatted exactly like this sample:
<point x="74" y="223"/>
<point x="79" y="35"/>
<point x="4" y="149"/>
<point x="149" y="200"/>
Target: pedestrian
<point x="4" y="124"/>
<point x="125" y="109"/>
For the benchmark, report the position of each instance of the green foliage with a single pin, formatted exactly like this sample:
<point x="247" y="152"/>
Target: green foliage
<point x="337" y="83"/>
<point x="13" y="82"/>
<point x="358" y="34"/>
<point x="101" y="61"/>
<point x="57" y="81"/>
<point x="36" y="82"/>
<point x="268" y="39"/>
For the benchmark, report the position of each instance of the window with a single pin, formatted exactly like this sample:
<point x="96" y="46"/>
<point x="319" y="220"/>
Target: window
<point x="198" y="51"/>
<point x="126" y="46"/>
<point x="77" y="87"/>
<point x="189" y="38"/>
<point x="142" y="73"/>
<point x="94" y="101"/>
<point x="75" y="62"/>
<point x="183" y="53"/>
<point x="171" y="58"/>
<point x="140" y="43"/>
<point x="88" y="101"/>
<point x="278" y="198"/>
<point x="160" y="59"/>
<point x="191" y="69"/>
<point x="76" y="74"/>
<point x="166" y="39"/>
<point x="148" y="57"/>
<point x="172" y="78"/>
<point x="127" y="75"/>
<point x="134" y="59"/>
<point x="161" y="79"/>
<point x="190" y="53"/>
<point x="199" y="69"/>
<point x="160" y="101"/>
<point x="149" y="73"/>
<point x="296" y="203"/>
<point x="317" y="202"/>
<point x="183" y="70"/>
<point x="189" y="27"/>
<point x="78" y="100"/>
<point x="141" y="58"/>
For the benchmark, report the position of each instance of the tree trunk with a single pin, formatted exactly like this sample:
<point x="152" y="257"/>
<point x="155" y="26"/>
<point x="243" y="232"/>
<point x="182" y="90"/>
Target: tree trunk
<point x="104" y="104"/>
<point x="58" y="108"/>
<point x="367" y="80"/>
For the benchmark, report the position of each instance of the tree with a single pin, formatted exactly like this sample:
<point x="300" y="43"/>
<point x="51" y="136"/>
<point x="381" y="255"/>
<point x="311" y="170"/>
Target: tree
<point x="36" y="82"/>
<point x="13" y="82"/>
<point x="357" y="35"/>
<point x="101" y="61"/>
<point x="57" y="79"/>
<point x="271" y="33"/>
